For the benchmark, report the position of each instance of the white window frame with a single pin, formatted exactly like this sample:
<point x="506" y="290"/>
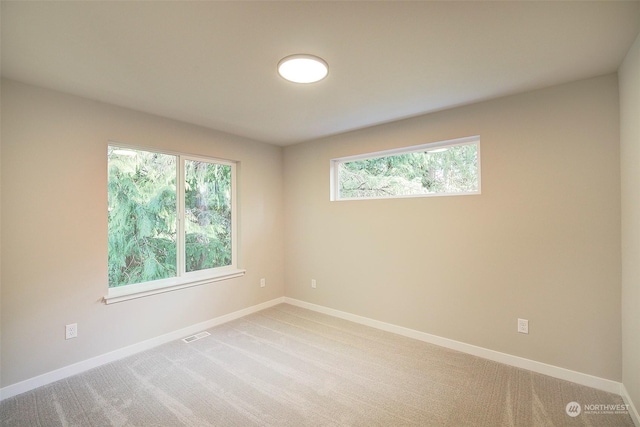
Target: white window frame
<point x="183" y="278"/>
<point x="334" y="180"/>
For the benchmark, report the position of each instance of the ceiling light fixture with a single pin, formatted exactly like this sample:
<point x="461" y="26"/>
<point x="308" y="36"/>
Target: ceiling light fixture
<point x="303" y="68"/>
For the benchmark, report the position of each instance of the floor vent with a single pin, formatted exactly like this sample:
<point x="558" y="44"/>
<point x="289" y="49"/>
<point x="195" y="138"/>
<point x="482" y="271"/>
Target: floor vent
<point x="196" y="337"/>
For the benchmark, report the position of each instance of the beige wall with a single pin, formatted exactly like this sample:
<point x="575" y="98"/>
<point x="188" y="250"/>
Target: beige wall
<point x="541" y="242"/>
<point x="55" y="238"/>
<point x="629" y="75"/>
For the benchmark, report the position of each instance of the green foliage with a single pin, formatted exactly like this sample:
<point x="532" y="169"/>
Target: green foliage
<point x="208" y="215"/>
<point x="142" y="217"/>
<point x="452" y="171"/>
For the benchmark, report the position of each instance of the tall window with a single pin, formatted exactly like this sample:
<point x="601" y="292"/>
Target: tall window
<point x="441" y="168"/>
<point x="171" y="220"/>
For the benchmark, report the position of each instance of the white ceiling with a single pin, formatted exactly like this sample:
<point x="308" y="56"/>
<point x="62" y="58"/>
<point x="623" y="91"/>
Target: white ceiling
<point x="214" y="63"/>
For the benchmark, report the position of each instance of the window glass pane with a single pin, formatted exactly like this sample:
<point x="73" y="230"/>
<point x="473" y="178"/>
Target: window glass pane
<point x="446" y="170"/>
<point x="207" y="215"/>
<point x="142" y="216"/>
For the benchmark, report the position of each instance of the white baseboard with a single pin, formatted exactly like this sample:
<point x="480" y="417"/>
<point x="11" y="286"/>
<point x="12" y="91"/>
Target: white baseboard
<point x="94" y="362"/>
<point x="507" y="359"/>
<point x="633" y="411"/>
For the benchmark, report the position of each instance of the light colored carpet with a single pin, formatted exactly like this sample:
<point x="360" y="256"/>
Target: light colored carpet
<point x="287" y="366"/>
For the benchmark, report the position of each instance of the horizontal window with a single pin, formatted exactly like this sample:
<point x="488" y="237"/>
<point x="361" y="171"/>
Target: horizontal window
<point x="436" y="169"/>
<point x="171" y="221"/>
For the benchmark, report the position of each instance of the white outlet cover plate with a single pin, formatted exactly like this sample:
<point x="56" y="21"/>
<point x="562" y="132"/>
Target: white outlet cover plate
<point x="523" y="326"/>
<point x="71" y="331"/>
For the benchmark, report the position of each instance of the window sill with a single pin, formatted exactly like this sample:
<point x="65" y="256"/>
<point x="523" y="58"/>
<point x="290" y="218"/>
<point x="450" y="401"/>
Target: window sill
<point x="121" y="293"/>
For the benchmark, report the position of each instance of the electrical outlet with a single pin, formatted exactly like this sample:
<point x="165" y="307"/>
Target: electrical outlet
<point x="71" y="331"/>
<point x="263" y="283"/>
<point x="313" y="283"/>
<point x="523" y="326"/>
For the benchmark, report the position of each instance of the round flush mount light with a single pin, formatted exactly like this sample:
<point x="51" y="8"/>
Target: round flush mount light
<point x="303" y="68"/>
